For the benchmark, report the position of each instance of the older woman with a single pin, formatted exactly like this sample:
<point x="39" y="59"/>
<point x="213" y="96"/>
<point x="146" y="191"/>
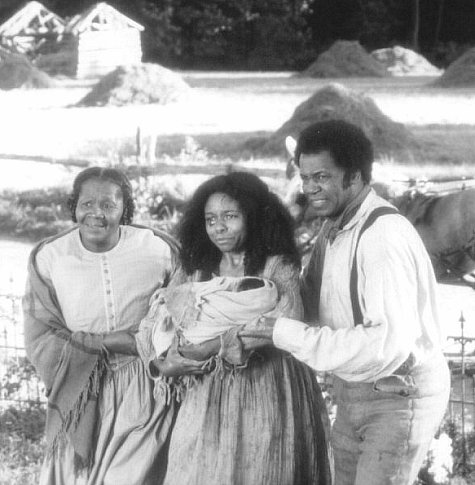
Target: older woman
<point x="259" y="422"/>
<point x="86" y="286"/>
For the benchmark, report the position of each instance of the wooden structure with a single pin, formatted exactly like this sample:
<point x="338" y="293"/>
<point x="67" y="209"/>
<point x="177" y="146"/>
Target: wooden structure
<point x="31" y="27"/>
<point x="101" y="39"/>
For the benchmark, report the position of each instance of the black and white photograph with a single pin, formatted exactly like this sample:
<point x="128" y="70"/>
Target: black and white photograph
<point x="237" y="242"/>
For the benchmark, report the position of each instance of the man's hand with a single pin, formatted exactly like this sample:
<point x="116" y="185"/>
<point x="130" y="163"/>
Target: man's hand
<point x="262" y="330"/>
<point x="122" y="342"/>
<point x="174" y="364"/>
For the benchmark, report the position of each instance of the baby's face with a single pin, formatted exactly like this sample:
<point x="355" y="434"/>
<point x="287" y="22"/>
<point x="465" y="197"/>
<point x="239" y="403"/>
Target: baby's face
<point x="250" y="284"/>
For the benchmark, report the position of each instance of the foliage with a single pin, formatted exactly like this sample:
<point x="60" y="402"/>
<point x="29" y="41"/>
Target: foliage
<point x="27" y="423"/>
<point x="250" y="34"/>
<point x="34" y="214"/>
<point x="21" y="426"/>
<point x="438" y="465"/>
<point x="20" y="460"/>
<point x="19" y="383"/>
<point x="463" y="446"/>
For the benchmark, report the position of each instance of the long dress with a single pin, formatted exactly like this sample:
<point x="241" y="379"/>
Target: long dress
<point x="264" y="424"/>
<point x="99" y="293"/>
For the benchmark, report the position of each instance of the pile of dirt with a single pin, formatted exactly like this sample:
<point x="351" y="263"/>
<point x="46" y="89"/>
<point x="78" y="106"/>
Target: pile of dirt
<point x="345" y="59"/>
<point x="16" y="71"/>
<point x="461" y="73"/>
<point x="335" y="101"/>
<point x="141" y="84"/>
<point x="405" y="62"/>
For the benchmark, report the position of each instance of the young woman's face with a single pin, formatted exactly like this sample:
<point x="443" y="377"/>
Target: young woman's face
<point x="98" y="212"/>
<point x="225" y="223"/>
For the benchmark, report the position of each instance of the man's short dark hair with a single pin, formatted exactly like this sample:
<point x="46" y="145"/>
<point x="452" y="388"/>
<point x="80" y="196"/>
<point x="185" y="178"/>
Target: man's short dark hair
<point x="349" y="147"/>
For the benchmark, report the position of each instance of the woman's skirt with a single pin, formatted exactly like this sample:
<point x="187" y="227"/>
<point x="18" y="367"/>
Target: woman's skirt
<point x="132" y="435"/>
<point x="261" y="425"/>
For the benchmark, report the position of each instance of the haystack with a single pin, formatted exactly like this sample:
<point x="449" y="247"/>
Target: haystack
<point x="16" y="71"/>
<point x="405" y="62"/>
<point x="461" y="73"/>
<point x="345" y="59"/>
<point x="335" y="101"/>
<point x="141" y="84"/>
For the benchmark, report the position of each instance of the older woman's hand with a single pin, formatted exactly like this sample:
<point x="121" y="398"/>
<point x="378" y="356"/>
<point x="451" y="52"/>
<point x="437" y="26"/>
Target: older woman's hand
<point x="174" y="364"/>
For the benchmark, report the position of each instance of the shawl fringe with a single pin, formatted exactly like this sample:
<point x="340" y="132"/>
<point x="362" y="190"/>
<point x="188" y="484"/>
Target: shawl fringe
<point x="56" y="448"/>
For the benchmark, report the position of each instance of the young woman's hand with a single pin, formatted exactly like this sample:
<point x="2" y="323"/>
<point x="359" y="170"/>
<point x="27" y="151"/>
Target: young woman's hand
<point x="174" y="364"/>
<point x="201" y="351"/>
<point x="122" y="342"/>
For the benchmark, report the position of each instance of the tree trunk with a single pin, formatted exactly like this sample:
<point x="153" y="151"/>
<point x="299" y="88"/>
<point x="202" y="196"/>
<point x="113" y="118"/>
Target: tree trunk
<point x="415" y="32"/>
<point x="438" y="27"/>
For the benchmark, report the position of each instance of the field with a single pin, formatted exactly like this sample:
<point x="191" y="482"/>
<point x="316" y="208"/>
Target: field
<point x="224" y="110"/>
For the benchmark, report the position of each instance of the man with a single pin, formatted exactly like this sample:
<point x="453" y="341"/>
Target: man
<point x="370" y="286"/>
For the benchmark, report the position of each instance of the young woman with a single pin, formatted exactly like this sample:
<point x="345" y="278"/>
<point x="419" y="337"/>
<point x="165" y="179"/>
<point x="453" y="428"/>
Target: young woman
<point x="260" y="422"/>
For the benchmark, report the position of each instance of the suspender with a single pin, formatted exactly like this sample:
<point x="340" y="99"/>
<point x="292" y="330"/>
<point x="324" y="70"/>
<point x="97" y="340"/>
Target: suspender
<point x="355" y="305"/>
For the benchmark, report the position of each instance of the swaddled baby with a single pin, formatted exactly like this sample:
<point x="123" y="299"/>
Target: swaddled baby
<point x="202" y="311"/>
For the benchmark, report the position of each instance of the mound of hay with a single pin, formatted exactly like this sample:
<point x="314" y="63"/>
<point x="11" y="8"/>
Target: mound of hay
<point x="345" y="59"/>
<point x="142" y="84"/>
<point x="16" y="71"/>
<point x="335" y="101"/>
<point x="461" y="73"/>
<point x="405" y="62"/>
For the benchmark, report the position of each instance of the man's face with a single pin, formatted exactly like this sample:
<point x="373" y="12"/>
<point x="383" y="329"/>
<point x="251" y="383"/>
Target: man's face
<point x="322" y="183"/>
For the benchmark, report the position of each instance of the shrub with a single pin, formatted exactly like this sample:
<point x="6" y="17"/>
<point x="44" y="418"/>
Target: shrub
<point x="20" y="460"/>
<point x="34" y="214"/>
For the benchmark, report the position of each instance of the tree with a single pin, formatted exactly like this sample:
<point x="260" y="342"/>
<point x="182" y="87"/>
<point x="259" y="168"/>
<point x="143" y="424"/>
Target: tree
<point x="438" y="26"/>
<point x="416" y="25"/>
<point x="331" y="20"/>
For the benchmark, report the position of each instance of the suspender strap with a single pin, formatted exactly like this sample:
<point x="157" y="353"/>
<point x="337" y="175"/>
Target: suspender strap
<point x="355" y="304"/>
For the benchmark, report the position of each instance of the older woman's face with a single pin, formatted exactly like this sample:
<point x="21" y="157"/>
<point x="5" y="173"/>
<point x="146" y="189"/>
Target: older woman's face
<point x="225" y="223"/>
<point x="99" y="211"/>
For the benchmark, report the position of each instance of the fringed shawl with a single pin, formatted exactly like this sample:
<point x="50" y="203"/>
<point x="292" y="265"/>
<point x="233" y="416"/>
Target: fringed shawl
<point x="71" y="364"/>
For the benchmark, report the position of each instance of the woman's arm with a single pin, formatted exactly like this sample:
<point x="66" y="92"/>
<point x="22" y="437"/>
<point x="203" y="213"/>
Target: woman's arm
<point x="122" y="342"/>
<point x="174" y="364"/>
<point x="202" y="351"/>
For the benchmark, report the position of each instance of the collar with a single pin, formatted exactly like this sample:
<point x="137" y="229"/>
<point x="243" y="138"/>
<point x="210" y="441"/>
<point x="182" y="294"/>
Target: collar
<point x="366" y="206"/>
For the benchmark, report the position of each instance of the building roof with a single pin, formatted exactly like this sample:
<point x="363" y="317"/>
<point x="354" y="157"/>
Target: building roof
<point x="33" y="19"/>
<point x="100" y="16"/>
